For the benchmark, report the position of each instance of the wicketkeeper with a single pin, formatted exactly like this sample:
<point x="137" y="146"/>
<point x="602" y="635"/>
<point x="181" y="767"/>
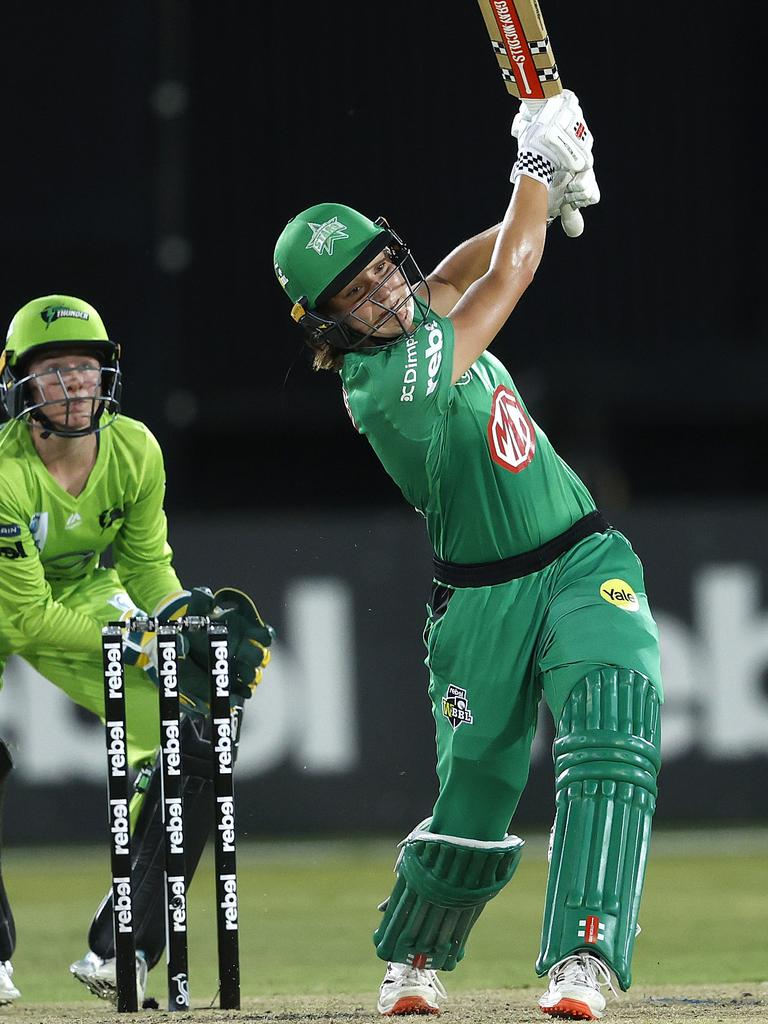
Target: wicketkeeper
<point x="77" y="478"/>
<point x="534" y="593"/>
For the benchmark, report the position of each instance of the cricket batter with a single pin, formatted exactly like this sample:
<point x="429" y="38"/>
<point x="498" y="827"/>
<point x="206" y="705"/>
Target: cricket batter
<point x="76" y="478"/>
<point x="533" y="593"/>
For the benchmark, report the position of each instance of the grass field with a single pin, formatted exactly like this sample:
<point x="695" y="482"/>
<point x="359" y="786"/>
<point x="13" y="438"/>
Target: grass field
<point x="308" y="909"/>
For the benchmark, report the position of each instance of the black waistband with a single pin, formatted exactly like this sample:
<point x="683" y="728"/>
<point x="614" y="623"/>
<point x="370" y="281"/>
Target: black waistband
<point x="488" y="574"/>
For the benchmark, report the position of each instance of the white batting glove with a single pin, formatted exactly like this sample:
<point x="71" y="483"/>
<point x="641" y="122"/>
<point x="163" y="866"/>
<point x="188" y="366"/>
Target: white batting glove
<point x="533" y="165"/>
<point x="567" y="195"/>
<point x="556" y="132"/>
<point x="583" y="190"/>
<point x="556" y="196"/>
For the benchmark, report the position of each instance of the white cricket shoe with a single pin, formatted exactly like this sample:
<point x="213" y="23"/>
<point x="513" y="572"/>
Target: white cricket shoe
<point x="407" y="989"/>
<point x="574" y="988"/>
<point x="100" y="976"/>
<point x="8" y="991"/>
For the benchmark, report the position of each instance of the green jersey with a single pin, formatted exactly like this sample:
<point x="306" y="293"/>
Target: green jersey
<point x="467" y="455"/>
<point x="50" y="539"/>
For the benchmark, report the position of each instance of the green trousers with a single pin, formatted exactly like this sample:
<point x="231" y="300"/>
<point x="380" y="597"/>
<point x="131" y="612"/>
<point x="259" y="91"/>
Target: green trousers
<point x="101" y="596"/>
<point x="494" y="651"/>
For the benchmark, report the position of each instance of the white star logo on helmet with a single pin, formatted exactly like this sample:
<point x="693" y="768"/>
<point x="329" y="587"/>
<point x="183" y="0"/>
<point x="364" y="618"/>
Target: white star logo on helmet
<point x="324" y="235"/>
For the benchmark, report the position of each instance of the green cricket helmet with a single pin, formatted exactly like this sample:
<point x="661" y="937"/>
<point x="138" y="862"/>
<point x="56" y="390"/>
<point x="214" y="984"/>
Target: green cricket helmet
<point x="320" y="251"/>
<point x="51" y="325"/>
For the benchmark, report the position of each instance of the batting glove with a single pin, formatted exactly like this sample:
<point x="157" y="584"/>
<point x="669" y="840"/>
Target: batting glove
<point x="583" y="190"/>
<point x="556" y="132"/>
<point x="567" y="195"/>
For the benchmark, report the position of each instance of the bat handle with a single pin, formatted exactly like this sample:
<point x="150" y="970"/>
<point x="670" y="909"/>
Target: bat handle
<point x="533" y="106"/>
<point x="573" y="222"/>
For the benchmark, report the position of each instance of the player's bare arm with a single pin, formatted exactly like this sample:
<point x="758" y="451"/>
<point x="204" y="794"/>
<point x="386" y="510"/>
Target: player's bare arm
<point x="487" y="304"/>
<point x="460" y="269"/>
<point x="552" y="141"/>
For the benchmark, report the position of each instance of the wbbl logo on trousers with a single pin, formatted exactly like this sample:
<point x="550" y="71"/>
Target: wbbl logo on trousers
<point x="456" y="707"/>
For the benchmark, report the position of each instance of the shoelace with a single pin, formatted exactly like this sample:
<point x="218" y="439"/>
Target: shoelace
<point x="591" y="968"/>
<point x="417" y="976"/>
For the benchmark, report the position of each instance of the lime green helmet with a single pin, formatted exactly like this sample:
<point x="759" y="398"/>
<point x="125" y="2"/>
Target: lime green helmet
<point x="320" y="251"/>
<point x="49" y="325"/>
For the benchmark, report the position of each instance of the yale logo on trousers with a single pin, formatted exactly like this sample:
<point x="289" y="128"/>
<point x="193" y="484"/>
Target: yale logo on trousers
<point x="620" y="594"/>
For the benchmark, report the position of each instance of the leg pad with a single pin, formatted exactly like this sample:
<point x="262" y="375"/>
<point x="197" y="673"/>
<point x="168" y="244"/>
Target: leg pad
<point x="443" y="883"/>
<point x="607" y="758"/>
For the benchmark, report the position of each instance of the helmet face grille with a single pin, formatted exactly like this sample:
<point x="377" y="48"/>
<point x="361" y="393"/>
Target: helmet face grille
<point x="26" y="398"/>
<point x="53" y="325"/>
<point x="321" y="251"/>
<point x="354" y="332"/>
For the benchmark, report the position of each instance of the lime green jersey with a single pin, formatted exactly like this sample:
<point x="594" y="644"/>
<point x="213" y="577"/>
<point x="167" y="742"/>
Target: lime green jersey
<point x="49" y="538"/>
<point x="467" y="455"/>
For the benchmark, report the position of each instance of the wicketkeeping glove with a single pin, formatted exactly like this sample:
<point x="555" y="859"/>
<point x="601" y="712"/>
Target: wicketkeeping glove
<point x="248" y="635"/>
<point x="140" y="649"/>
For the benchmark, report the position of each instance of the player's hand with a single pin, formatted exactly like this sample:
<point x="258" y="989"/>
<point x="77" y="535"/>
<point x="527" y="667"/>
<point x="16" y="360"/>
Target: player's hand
<point x="249" y="639"/>
<point x="140" y="649"/>
<point x="556" y="132"/>
<point x="583" y="190"/>
<point x="568" y="194"/>
<point x="556" y="194"/>
<point x="248" y="635"/>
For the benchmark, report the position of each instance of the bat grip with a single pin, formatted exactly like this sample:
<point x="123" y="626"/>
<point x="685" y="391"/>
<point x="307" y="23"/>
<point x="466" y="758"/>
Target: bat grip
<point x="572" y="221"/>
<point x="533" y="106"/>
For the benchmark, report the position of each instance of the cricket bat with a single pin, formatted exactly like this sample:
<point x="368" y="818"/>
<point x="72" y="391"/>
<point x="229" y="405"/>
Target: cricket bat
<point x="527" y="63"/>
<point x="520" y="41"/>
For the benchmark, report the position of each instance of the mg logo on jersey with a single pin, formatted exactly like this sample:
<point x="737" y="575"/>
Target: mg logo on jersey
<point x="511" y="437"/>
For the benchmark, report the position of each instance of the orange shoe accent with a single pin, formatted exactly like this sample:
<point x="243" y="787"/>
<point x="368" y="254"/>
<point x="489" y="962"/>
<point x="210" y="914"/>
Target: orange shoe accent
<point x="411" y="1004"/>
<point x="569" y="1009"/>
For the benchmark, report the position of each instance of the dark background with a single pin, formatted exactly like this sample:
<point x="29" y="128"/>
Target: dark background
<point x="154" y="151"/>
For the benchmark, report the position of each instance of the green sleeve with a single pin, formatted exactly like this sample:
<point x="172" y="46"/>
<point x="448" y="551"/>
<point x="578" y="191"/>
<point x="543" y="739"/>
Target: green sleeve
<point x="27" y="606"/>
<point x="141" y="550"/>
